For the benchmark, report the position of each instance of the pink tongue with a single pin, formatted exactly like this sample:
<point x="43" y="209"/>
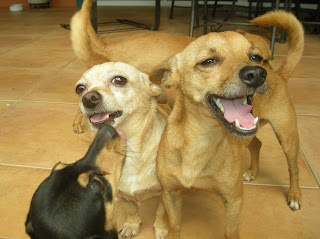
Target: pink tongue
<point x="234" y="109"/>
<point x="122" y="135"/>
<point x="96" y="118"/>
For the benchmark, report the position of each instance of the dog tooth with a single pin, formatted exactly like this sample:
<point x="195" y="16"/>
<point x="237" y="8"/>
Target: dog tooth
<point x="256" y="120"/>
<point x="238" y="124"/>
<point x="245" y="102"/>
<point x="219" y="104"/>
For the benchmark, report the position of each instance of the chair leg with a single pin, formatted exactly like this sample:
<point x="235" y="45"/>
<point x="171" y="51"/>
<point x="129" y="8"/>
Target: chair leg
<point x="273" y="35"/>
<point x="250" y="9"/>
<point x="193" y="3"/>
<point x="214" y="8"/>
<point x="171" y="9"/>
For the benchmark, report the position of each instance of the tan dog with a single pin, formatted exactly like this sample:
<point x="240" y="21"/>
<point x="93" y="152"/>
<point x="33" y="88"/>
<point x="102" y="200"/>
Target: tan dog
<point x="275" y="106"/>
<point x="143" y="51"/>
<point x="216" y="76"/>
<point x="155" y="47"/>
<point x="119" y="95"/>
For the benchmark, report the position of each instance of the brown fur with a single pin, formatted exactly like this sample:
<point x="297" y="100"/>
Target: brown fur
<point x="142" y="121"/>
<point x="154" y="47"/>
<point x="275" y="106"/>
<point x="196" y="151"/>
<point x="90" y="49"/>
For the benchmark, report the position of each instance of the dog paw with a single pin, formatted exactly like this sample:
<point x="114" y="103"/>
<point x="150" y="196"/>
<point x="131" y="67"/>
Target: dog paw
<point x="294" y="201"/>
<point x="160" y="233"/>
<point x="78" y="129"/>
<point x="129" y="230"/>
<point x="249" y="176"/>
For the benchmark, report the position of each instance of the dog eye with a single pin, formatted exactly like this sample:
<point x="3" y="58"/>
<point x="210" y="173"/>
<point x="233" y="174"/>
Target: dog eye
<point x="256" y="58"/>
<point x="119" y="81"/>
<point x="80" y="89"/>
<point x="210" y="61"/>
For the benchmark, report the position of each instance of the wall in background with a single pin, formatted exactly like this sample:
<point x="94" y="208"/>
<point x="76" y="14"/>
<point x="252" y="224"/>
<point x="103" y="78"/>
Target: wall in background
<point x="53" y="3"/>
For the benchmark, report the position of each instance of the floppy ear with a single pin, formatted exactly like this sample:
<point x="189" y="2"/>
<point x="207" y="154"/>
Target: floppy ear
<point x="258" y="42"/>
<point x="166" y="73"/>
<point x="154" y="90"/>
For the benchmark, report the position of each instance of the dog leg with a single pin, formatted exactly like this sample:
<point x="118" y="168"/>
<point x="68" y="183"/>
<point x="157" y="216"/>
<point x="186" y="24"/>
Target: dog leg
<point x="254" y="148"/>
<point x="289" y="141"/>
<point x="161" y="223"/>
<point x="172" y="201"/>
<point x="233" y="205"/>
<point x="132" y="225"/>
<point x="77" y="128"/>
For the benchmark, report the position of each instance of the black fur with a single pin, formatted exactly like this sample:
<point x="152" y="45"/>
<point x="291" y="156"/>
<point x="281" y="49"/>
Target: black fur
<point x="62" y="208"/>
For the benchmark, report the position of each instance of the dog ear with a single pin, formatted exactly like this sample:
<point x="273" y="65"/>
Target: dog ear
<point x="258" y="42"/>
<point x="167" y="73"/>
<point x="155" y="90"/>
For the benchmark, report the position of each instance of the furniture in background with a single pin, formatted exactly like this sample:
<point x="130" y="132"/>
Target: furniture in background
<point x="39" y="3"/>
<point x="94" y="20"/>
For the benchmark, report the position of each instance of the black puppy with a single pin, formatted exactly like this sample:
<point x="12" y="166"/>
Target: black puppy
<point x="71" y="202"/>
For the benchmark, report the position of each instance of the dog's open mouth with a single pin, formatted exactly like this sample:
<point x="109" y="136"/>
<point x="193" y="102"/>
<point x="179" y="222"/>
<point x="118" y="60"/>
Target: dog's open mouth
<point x="235" y="114"/>
<point x="98" y="119"/>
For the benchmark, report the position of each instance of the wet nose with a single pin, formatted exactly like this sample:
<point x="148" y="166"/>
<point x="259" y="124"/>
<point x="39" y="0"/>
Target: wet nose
<point x="91" y="99"/>
<point x="253" y="76"/>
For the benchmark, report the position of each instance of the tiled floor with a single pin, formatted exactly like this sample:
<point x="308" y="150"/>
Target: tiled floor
<point x="38" y="71"/>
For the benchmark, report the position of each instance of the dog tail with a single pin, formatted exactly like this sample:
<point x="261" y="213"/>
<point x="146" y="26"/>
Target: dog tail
<point x="83" y="34"/>
<point x="295" y="33"/>
<point x="105" y="134"/>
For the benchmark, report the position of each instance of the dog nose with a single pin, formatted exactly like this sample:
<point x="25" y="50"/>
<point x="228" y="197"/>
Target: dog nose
<point x="91" y="99"/>
<point x="253" y="76"/>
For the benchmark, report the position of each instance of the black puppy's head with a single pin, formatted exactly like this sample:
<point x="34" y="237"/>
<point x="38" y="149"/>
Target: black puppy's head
<point x="71" y="202"/>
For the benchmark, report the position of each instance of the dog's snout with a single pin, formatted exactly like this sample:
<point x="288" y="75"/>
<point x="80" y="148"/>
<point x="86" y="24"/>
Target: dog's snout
<point x="91" y="99"/>
<point x="253" y="76"/>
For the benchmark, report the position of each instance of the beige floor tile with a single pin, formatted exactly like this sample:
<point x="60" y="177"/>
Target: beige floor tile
<point x="4" y="105"/>
<point x="10" y="42"/>
<point x="266" y="214"/>
<point x="17" y="188"/>
<point x="309" y="128"/>
<point x="305" y="68"/>
<point x="50" y="41"/>
<point x="36" y="58"/>
<point x="15" y="83"/>
<point x="77" y="65"/>
<point x="203" y="214"/>
<point x="310" y="49"/>
<point x="40" y="134"/>
<point x="273" y="163"/>
<point x="304" y="94"/>
<point x="59" y="88"/>
<point x="23" y="30"/>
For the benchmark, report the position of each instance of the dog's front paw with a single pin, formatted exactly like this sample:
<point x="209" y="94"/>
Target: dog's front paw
<point x="160" y="233"/>
<point x="77" y="128"/>
<point x="294" y="201"/>
<point x="129" y="230"/>
<point x="249" y="175"/>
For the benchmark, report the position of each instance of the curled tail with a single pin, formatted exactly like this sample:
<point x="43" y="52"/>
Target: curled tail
<point x="295" y="36"/>
<point x="82" y="35"/>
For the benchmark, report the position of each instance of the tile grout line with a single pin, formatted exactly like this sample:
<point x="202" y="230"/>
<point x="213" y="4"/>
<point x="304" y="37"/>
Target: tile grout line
<point x="309" y="166"/>
<point x="23" y="166"/>
<point x="308" y="115"/>
<point x="278" y="186"/>
<point x="42" y="82"/>
<point x="48" y="102"/>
